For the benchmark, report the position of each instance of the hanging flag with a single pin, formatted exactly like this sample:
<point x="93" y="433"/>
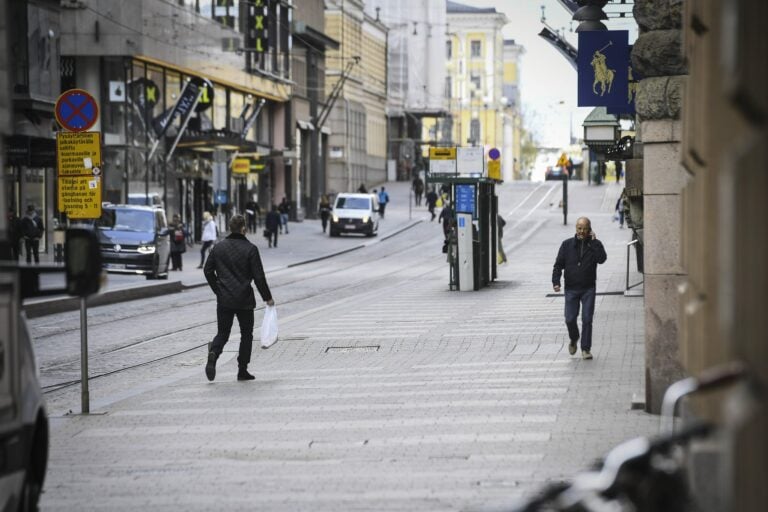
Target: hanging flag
<point x="602" y="64"/>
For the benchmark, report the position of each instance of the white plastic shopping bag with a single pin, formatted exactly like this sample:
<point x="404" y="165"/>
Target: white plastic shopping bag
<point x="269" y="327"/>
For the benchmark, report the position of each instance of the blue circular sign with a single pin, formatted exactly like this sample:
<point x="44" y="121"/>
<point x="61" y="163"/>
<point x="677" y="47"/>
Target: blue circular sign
<point x="494" y="154"/>
<point x="76" y="110"/>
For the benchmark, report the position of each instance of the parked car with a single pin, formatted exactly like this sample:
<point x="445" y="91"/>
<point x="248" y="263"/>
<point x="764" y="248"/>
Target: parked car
<point x="355" y="213"/>
<point x="24" y="426"/>
<point x="134" y="240"/>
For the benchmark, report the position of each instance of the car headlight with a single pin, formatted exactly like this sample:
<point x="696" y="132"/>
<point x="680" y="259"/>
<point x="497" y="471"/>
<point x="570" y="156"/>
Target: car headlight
<point x="366" y="219"/>
<point x="146" y="249"/>
<point x="335" y="218"/>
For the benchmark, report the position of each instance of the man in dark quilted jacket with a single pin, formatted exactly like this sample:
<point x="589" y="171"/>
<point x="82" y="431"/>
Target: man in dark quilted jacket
<point x="232" y="264"/>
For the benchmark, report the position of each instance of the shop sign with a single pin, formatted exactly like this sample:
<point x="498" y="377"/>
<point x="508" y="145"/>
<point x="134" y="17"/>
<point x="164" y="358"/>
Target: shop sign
<point x="257" y="35"/>
<point x="241" y="165"/>
<point x="21" y="150"/>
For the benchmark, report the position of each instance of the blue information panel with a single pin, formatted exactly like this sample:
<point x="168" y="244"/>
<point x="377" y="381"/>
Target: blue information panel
<point x="465" y="199"/>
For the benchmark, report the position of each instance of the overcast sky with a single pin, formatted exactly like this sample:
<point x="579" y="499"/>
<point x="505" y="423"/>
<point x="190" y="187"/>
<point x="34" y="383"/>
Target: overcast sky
<point x="546" y="76"/>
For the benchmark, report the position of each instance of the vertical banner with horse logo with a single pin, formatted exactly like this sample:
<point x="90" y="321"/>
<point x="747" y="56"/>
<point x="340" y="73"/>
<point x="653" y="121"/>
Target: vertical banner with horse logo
<point x="603" y="62"/>
<point x="633" y="78"/>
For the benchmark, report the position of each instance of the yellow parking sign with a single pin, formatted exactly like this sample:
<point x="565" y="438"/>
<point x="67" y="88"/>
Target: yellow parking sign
<point x="80" y="196"/>
<point x="78" y="153"/>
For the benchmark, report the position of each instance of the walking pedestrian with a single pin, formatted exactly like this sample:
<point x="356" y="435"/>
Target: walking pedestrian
<point x="621" y="204"/>
<point x="231" y="266"/>
<point x="383" y="200"/>
<point x="272" y="226"/>
<point x="14" y="234"/>
<point x="431" y="199"/>
<point x="178" y="242"/>
<point x="446" y="217"/>
<point x="578" y="257"/>
<point x="32" y="229"/>
<point x="418" y="190"/>
<point x="325" y="211"/>
<point x="209" y="236"/>
<point x="284" y="209"/>
<point x="500" y="223"/>
<point x="253" y="212"/>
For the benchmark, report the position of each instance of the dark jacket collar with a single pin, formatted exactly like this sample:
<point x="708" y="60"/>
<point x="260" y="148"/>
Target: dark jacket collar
<point x="237" y="236"/>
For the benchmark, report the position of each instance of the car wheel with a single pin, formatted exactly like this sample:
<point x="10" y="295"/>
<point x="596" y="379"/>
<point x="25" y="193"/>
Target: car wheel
<point x="155" y="269"/>
<point x="333" y="232"/>
<point x="35" y="473"/>
<point x="30" y="494"/>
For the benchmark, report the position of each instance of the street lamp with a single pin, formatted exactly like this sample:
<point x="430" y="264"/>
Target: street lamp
<point x="601" y="131"/>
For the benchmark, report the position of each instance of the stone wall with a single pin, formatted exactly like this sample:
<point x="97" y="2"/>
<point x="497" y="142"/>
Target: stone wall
<point x="657" y="55"/>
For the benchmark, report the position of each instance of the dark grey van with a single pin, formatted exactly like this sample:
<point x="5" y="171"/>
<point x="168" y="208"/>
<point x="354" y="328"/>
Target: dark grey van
<point x="134" y="240"/>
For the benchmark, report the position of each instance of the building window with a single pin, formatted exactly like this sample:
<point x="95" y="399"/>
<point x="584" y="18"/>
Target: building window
<point x="449" y="49"/>
<point x="448" y="87"/>
<point x="475" y="82"/>
<point x="475" y="49"/>
<point x="474" y="131"/>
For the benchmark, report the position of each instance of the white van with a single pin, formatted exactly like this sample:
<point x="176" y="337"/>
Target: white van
<point x="355" y="213"/>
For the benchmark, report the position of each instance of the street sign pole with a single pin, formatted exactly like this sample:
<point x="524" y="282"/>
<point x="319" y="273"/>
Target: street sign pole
<point x="84" y="398"/>
<point x="79" y="182"/>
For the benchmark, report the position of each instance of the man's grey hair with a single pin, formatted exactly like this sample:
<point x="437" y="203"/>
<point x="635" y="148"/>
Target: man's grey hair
<point x="237" y="224"/>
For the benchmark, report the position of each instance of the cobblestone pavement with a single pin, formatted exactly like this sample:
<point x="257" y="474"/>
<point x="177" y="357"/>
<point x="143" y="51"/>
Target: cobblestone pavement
<point x="385" y="392"/>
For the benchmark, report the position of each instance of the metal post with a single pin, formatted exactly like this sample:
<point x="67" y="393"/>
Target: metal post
<point x="566" y="178"/>
<point x="628" y="246"/>
<point x="84" y="399"/>
<point x="410" y="197"/>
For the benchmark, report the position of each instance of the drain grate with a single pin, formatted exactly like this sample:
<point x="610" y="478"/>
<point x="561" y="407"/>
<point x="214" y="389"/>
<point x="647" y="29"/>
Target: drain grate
<point x="358" y="348"/>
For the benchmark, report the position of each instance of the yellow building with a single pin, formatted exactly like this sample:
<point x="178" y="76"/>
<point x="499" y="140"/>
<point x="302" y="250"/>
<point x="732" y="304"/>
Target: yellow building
<point x="475" y="72"/>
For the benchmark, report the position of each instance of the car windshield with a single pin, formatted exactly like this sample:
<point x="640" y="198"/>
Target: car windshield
<point x="353" y="203"/>
<point x="124" y="219"/>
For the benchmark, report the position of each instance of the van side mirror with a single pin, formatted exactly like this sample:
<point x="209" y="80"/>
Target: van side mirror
<point x="82" y="254"/>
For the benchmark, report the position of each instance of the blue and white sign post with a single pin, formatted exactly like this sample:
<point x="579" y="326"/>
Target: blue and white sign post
<point x="602" y="64"/>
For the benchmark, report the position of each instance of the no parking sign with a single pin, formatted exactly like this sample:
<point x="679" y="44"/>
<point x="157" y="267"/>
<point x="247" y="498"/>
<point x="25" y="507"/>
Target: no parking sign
<point x="76" y="110"/>
<point x="78" y="155"/>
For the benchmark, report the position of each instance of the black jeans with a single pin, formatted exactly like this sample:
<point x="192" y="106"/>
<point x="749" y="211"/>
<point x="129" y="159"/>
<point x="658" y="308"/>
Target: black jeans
<point x="206" y="245"/>
<point x="225" y="317"/>
<point x="32" y="248"/>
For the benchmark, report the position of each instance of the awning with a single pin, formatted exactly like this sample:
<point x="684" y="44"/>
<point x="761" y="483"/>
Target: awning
<point x="305" y="125"/>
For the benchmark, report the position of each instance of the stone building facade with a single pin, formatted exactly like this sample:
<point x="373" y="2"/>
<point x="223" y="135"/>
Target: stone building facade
<point x="704" y="138"/>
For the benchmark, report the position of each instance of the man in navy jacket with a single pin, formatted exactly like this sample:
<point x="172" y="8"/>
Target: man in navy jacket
<point x="579" y="257"/>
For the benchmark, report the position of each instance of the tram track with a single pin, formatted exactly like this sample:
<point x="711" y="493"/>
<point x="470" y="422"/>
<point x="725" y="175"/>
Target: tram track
<point x="311" y="271"/>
